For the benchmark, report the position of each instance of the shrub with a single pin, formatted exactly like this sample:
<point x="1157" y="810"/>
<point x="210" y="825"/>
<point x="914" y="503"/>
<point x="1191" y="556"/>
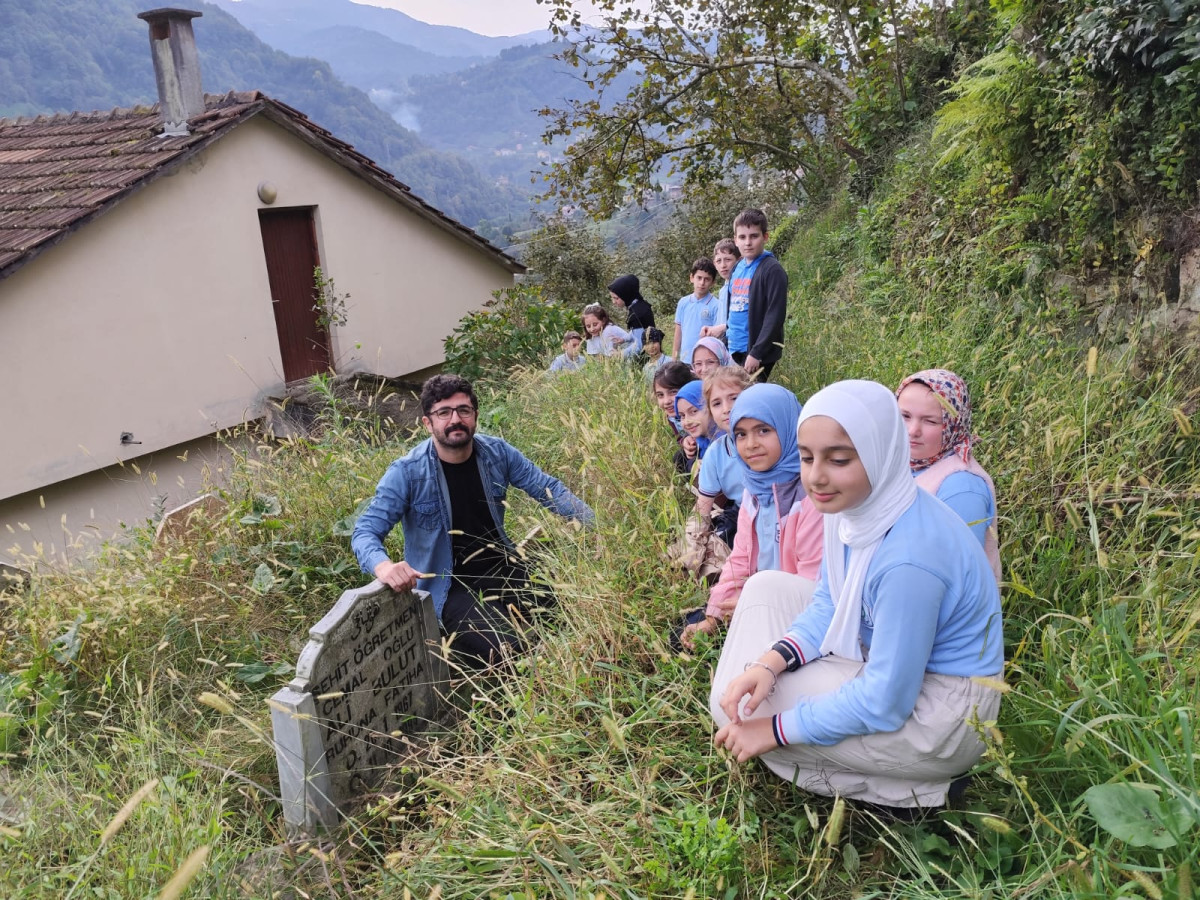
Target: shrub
<point x="518" y="328"/>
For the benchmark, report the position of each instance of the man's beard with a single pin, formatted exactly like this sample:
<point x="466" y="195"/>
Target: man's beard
<point x="452" y="436"/>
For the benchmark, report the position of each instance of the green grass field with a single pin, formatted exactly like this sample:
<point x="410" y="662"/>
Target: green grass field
<point x="135" y="690"/>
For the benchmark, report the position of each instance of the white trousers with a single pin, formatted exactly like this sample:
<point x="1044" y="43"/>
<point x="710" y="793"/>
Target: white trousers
<point x="912" y="766"/>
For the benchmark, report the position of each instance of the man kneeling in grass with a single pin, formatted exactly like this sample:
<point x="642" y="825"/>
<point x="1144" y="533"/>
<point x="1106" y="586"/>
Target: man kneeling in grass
<point x="448" y="494"/>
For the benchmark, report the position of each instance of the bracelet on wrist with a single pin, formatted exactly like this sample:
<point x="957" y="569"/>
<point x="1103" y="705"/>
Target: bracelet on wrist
<point x="774" y="677"/>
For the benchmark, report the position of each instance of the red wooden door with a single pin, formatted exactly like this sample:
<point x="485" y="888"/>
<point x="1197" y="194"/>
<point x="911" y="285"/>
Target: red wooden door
<point x="290" y="244"/>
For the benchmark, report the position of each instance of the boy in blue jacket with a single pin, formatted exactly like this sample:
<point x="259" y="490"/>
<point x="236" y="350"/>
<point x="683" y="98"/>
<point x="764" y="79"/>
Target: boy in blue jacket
<point x="757" y="298"/>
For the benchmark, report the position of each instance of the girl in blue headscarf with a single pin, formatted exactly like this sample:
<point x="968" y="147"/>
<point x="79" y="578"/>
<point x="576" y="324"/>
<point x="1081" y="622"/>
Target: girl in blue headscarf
<point x="778" y="526"/>
<point x="698" y="427"/>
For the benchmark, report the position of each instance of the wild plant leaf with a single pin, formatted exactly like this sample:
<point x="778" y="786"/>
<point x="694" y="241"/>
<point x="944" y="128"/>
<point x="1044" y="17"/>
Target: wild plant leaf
<point x="256" y="672"/>
<point x="49" y="695"/>
<point x="935" y="843"/>
<point x="66" y="646"/>
<point x="267" y="505"/>
<point x="1135" y="814"/>
<point x="264" y="579"/>
<point x="850" y="859"/>
<point x="345" y="527"/>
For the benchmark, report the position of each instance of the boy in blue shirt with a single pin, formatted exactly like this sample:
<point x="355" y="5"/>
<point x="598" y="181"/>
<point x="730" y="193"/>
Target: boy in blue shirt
<point x="570" y="359"/>
<point x="655" y="358"/>
<point x="700" y="309"/>
<point x="757" y="298"/>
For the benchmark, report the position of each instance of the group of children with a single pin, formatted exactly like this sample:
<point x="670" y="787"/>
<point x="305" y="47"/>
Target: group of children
<point x="849" y="545"/>
<point x="865" y="560"/>
<point x="745" y="318"/>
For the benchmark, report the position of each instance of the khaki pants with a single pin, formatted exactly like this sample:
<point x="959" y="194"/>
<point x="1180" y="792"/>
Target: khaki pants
<point x="912" y="766"/>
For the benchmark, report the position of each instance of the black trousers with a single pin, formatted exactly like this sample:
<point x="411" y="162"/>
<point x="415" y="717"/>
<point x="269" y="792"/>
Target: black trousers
<point x="765" y="368"/>
<point x="482" y="612"/>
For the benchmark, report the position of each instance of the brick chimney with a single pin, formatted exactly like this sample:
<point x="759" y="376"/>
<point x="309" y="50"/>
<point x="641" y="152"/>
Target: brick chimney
<point x="176" y="67"/>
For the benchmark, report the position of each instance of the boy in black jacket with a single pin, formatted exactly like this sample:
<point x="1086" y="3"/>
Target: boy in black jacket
<point x="757" y="298"/>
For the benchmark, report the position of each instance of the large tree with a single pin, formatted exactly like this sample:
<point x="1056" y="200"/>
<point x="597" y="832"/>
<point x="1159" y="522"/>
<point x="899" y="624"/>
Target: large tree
<point x="720" y="84"/>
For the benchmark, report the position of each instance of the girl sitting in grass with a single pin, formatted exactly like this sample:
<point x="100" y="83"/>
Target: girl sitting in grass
<point x="873" y="690"/>
<point x="667" y="382"/>
<point x="708" y="538"/>
<point x="698" y="428"/>
<point x="708" y="355"/>
<point x="778" y="527"/>
<point x="720" y="482"/>
<point x="655" y="358"/>
<point x="604" y="338"/>
<point x="936" y="408"/>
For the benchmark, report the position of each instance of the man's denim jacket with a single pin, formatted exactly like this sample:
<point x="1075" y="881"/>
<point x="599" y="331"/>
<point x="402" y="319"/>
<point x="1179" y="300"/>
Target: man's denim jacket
<point x="413" y="492"/>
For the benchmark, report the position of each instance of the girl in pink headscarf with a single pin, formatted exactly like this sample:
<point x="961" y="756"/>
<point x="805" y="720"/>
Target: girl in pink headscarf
<point x="936" y="408"/>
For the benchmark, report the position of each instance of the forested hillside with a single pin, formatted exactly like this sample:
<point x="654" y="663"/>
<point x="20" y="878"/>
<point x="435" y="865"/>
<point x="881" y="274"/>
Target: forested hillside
<point x="58" y="56"/>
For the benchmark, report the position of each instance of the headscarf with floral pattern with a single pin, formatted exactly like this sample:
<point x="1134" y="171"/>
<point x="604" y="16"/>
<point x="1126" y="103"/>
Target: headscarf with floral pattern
<point x="955" y="401"/>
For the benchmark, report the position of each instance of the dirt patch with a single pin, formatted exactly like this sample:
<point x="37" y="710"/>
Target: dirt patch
<point x="387" y="405"/>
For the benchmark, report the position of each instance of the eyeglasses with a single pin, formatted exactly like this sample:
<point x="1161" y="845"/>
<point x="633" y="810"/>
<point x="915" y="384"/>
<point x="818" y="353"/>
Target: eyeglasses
<point x="444" y="414"/>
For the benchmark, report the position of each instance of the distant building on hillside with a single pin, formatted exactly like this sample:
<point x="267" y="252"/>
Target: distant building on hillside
<point x="156" y="286"/>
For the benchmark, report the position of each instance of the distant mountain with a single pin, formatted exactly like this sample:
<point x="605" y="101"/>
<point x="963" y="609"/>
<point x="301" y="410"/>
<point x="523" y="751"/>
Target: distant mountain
<point x="372" y="61"/>
<point x="489" y="112"/>
<point x="63" y="55"/>
<point x="483" y="107"/>
<point x="286" y="24"/>
<point x="493" y="104"/>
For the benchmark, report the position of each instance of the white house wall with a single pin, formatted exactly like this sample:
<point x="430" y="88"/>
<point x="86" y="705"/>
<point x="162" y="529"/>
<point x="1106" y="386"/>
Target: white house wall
<point x="67" y="522"/>
<point x="155" y="319"/>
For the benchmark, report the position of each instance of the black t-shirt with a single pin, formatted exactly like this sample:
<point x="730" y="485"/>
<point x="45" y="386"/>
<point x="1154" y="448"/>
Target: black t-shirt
<point x="470" y="515"/>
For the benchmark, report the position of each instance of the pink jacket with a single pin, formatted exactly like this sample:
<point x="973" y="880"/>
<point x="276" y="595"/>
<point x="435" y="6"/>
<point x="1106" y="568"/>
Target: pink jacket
<point x="801" y="543"/>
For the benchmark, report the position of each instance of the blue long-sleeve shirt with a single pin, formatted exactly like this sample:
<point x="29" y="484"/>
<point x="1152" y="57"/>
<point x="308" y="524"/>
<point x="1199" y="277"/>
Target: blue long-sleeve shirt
<point x="930" y="604"/>
<point x="722" y="470"/>
<point x="968" y="495"/>
<point x="413" y="492"/>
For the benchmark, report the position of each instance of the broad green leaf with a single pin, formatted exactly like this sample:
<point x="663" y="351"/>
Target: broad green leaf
<point x="1135" y="814"/>
<point x="264" y="579"/>
<point x="850" y="859"/>
<point x="267" y="505"/>
<point x="66" y="646"/>
<point x="345" y="527"/>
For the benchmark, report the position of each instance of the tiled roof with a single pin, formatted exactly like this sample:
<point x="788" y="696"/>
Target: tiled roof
<point x="58" y="172"/>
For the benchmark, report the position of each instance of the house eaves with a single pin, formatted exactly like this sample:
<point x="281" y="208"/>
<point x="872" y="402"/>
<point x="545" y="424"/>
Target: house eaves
<point x="59" y="173"/>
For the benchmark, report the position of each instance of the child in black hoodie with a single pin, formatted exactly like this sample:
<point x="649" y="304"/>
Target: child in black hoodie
<point x="626" y="292"/>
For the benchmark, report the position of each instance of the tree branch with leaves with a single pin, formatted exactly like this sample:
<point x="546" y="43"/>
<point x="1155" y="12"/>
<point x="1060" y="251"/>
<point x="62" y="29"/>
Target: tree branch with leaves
<point x="697" y="89"/>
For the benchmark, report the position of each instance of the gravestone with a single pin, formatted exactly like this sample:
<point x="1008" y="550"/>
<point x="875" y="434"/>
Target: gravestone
<point x="371" y="672"/>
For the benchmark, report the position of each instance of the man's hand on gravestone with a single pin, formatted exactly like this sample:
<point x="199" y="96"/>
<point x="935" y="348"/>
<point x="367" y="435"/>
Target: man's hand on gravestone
<point x="399" y="576"/>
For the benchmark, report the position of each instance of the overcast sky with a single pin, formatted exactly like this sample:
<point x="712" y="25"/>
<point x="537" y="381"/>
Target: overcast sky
<point x="494" y="17"/>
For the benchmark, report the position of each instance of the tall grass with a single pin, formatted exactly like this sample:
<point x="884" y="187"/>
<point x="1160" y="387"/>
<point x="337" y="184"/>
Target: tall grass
<point x="589" y="770"/>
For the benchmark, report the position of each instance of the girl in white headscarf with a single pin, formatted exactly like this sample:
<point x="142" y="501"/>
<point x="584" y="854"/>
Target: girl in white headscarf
<point x="875" y="690"/>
